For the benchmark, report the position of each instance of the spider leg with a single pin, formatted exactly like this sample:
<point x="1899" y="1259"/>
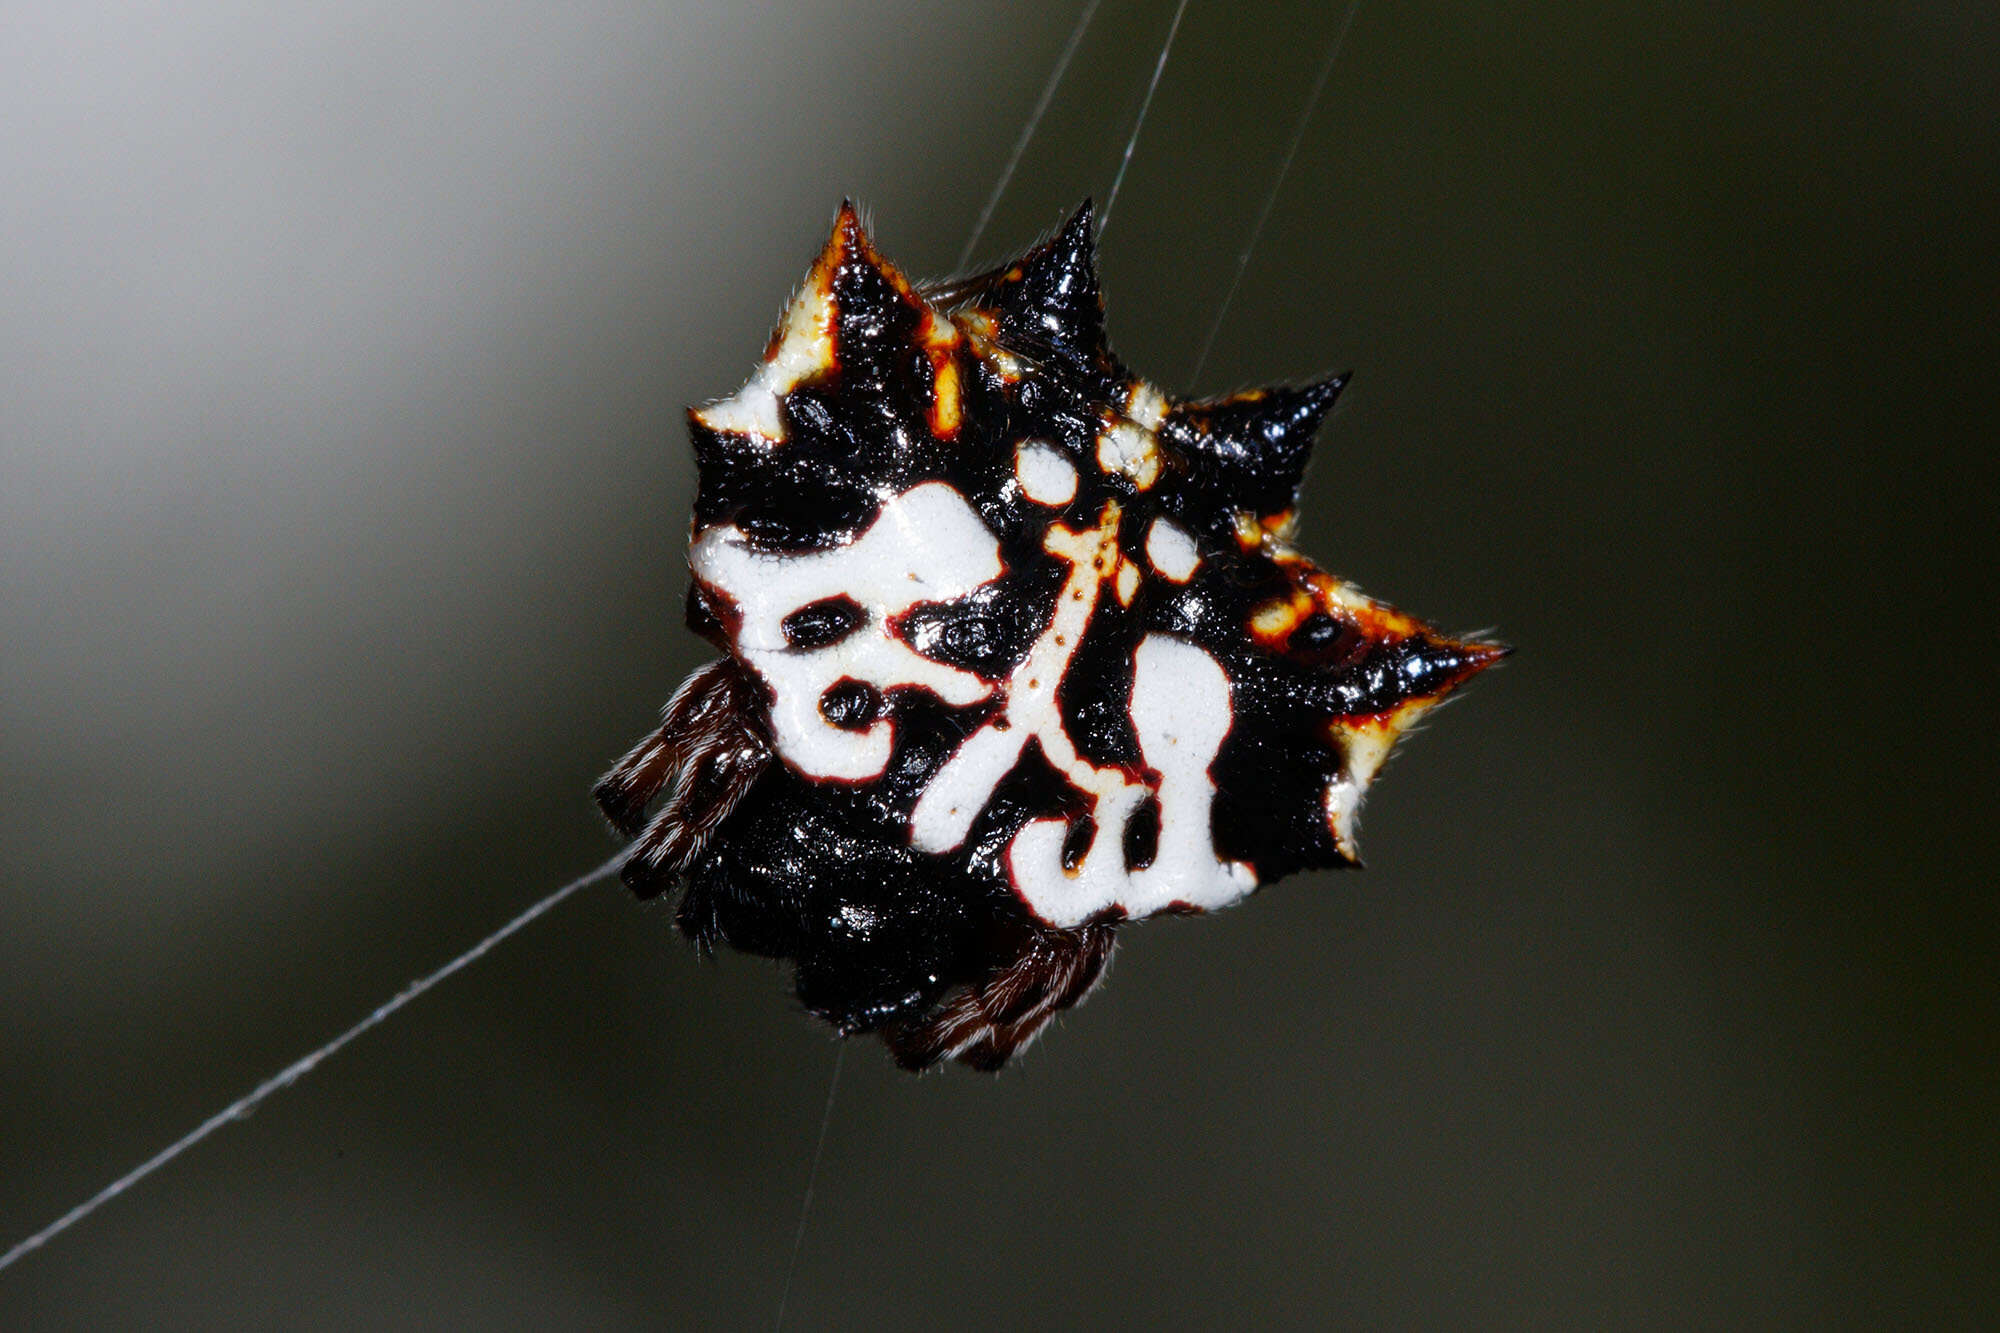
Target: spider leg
<point x="624" y="793"/>
<point x="711" y="780"/>
<point x="983" y="1026"/>
<point x="705" y="756"/>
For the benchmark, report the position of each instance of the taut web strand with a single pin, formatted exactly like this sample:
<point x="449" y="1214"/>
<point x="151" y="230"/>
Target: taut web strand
<point x="1028" y="131"/>
<point x="298" y="1069"/>
<point x="1145" y="107"/>
<point x="1284" y="169"/>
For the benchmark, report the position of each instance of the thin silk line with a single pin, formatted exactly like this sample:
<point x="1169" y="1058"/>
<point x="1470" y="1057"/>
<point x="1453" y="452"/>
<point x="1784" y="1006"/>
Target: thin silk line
<point x="241" y="1108"/>
<point x="1284" y="169"/>
<point x="1118" y="182"/>
<point x="1028" y="131"/>
<point x="812" y="1180"/>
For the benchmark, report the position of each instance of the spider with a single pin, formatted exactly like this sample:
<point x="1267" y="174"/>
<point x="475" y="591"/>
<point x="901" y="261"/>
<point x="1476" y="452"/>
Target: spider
<point x="1016" y="648"/>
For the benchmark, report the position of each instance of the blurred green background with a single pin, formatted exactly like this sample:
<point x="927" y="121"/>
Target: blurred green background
<point x="342" y="357"/>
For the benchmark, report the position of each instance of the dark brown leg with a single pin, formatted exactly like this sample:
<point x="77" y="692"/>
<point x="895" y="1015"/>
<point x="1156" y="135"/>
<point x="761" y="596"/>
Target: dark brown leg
<point x="984" y="1025"/>
<point x="706" y="756"/>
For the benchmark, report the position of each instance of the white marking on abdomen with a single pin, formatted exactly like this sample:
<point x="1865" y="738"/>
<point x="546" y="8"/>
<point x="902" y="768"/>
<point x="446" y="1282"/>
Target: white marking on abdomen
<point x="945" y="812"/>
<point x="927" y="545"/>
<point x="1046" y="476"/>
<point x="961" y="789"/>
<point x="1171" y="551"/>
<point x="804" y="349"/>
<point x="1365" y="745"/>
<point x="1180" y="710"/>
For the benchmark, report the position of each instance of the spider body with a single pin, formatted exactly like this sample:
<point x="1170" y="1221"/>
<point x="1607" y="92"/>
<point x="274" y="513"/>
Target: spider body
<point x="1016" y="648"/>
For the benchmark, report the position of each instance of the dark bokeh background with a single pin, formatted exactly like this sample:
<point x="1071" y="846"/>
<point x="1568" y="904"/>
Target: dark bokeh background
<point x="341" y="367"/>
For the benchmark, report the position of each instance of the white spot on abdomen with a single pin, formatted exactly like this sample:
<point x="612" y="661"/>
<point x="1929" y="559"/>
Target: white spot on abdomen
<point x="1146" y="405"/>
<point x="1046" y="476"/>
<point x="1171" y="551"/>
<point x="1128" y="449"/>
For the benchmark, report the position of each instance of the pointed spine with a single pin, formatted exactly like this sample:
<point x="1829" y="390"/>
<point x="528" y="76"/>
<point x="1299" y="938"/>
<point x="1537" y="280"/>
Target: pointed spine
<point x="1257" y="443"/>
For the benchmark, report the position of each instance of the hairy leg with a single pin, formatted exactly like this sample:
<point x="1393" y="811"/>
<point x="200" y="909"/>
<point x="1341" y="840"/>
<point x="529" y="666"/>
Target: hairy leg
<point x="706" y="755"/>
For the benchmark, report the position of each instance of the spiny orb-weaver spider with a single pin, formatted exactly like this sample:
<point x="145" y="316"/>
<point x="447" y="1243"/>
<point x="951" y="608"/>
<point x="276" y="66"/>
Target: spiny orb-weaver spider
<point x="1015" y="648"/>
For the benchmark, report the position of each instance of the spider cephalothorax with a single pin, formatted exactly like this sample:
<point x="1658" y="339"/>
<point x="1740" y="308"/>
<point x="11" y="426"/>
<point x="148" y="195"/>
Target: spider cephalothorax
<point x="1016" y="648"/>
